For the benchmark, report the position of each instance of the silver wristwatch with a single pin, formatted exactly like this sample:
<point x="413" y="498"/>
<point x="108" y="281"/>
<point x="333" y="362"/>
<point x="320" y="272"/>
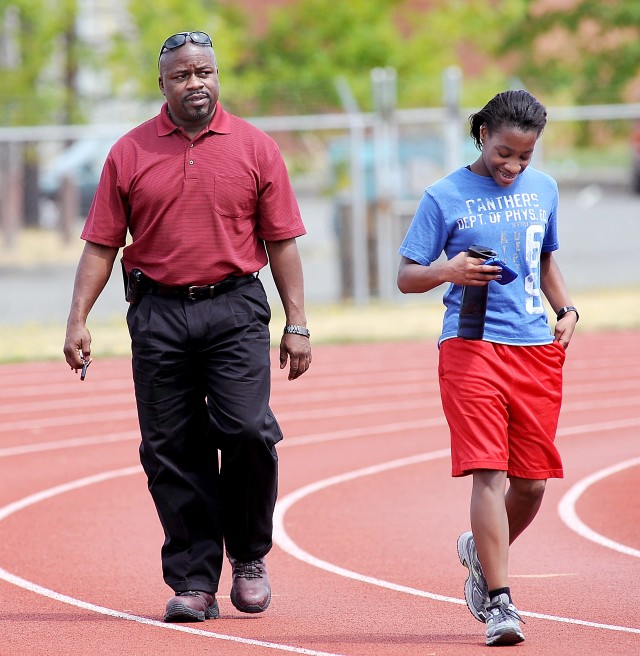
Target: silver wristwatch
<point x="296" y="330"/>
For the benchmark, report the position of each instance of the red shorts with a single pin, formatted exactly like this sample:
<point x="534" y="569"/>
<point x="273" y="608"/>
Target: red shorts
<point x="502" y="404"/>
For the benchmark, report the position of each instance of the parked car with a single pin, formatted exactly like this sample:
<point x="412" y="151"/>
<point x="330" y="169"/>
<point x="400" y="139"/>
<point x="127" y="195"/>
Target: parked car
<point x="82" y="164"/>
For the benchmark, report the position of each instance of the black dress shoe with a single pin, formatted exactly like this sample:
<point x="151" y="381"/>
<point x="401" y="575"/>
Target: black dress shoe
<point x="250" y="589"/>
<point x="191" y="606"/>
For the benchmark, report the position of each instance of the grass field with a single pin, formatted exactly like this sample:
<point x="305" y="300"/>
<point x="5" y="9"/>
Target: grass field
<point x="600" y="310"/>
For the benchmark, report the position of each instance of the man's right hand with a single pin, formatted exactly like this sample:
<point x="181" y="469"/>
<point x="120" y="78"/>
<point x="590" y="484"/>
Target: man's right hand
<point x="77" y="345"/>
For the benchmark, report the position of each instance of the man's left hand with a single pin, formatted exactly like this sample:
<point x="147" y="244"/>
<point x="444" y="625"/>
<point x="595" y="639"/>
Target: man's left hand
<point x="297" y="350"/>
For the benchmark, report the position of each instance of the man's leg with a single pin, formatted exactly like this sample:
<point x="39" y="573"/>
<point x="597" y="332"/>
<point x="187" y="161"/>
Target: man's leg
<point x="238" y="388"/>
<point x="180" y="463"/>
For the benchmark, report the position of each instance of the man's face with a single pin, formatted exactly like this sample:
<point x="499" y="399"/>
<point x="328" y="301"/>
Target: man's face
<point x="189" y="81"/>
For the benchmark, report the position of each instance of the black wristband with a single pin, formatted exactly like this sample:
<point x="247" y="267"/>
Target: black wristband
<point x="567" y="308"/>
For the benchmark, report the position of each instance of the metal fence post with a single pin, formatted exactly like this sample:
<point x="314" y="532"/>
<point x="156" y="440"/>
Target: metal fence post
<point x="452" y="83"/>
<point x="359" y="241"/>
<point x="386" y="177"/>
<point x="12" y="192"/>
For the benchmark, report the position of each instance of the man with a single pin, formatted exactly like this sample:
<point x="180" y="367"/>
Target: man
<point x="206" y="198"/>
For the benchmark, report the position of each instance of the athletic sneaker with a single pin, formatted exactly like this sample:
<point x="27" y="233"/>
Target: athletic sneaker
<point x="476" y="592"/>
<point x="503" y="622"/>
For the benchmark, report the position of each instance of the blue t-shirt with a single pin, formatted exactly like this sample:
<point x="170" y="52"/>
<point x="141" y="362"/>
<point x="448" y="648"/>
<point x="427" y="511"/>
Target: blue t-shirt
<point x="519" y="222"/>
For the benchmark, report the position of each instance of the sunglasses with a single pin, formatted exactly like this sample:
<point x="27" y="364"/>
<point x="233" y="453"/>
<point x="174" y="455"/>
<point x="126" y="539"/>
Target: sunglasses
<point x="179" y="39"/>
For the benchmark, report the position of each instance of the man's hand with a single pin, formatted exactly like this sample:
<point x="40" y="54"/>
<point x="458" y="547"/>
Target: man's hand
<point x="296" y="349"/>
<point x="77" y="346"/>
<point x="92" y="274"/>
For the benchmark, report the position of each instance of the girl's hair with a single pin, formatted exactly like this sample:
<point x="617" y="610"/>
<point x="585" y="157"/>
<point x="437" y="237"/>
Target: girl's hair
<point x="511" y="109"/>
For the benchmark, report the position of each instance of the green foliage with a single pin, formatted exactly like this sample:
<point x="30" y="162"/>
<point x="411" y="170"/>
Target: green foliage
<point x="589" y="50"/>
<point x="33" y="91"/>
<point x="310" y="43"/>
<point x="461" y="33"/>
<point x="585" y="51"/>
<point x="134" y="54"/>
<point x="292" y="68"/>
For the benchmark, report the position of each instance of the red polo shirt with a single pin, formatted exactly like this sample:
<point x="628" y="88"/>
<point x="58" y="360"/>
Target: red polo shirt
<point x="198" y="210"/>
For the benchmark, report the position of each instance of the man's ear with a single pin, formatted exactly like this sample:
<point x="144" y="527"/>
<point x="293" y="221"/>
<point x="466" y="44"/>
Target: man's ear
<point x="161" y="84"/>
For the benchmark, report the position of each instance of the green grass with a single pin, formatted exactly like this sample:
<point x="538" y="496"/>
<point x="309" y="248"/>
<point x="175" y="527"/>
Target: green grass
<point x="329" y="324"/>
<point x="339" y="323"/>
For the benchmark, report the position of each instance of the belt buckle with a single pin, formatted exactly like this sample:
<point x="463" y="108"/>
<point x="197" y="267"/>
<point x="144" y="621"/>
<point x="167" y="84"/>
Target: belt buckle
<point x="192" y="292"/>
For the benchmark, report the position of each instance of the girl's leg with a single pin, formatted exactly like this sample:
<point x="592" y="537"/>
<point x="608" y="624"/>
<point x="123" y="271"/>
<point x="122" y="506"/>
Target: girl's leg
<point x="497" y="519"/>
<point x="490" y="525"/>
<point x="522" y="501"/>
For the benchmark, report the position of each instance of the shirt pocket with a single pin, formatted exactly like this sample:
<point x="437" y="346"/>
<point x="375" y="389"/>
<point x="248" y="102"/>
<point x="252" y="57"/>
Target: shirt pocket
<point x="235" y="196"/>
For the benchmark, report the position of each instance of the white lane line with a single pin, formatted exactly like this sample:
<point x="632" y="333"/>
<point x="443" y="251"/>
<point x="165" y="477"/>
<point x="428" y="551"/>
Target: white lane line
<point x="542" y="576"/>
<point x="71" y="443"/>
<point x="284" y="541"/>
<point x="32" y="499"/>
<point x="349" y="433"/>
<point x="281" y="538"/>
<point x="72" y="601"/>
<point x="569" y="515"/>
<point x="599" y="427"/>
<point x="312" y="438"/>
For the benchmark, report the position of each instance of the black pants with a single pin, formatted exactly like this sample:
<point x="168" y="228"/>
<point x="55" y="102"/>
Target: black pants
<point x="202" y="380"/>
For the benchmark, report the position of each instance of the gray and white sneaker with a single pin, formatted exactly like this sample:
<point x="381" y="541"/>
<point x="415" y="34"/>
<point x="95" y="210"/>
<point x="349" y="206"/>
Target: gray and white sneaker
<point x="503" y="622"/>
<point x="476" y="592"/>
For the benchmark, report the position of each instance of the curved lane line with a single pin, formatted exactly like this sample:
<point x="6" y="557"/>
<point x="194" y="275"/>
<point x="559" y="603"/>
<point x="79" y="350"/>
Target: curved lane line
<point x="349" y="433"/>
<point x="569" y="515"/>
<point x="282" y="539"/>
<point x="72" y="601"/>
<point x="69" y="443"/>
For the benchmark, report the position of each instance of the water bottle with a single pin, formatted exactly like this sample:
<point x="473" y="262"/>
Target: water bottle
<point x="473" y="307"/>
<point x="472" y="312"/>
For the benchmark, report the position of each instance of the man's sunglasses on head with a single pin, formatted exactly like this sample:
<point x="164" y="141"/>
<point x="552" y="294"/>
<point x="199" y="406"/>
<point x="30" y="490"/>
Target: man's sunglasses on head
<point x="179" y="39"/>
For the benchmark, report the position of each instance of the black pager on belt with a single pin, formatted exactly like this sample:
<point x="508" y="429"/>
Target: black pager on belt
<point x="135" y="286"/>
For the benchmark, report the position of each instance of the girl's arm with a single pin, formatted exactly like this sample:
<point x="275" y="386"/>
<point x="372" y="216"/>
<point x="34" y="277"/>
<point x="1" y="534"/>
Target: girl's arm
<point x="555" y="290"/>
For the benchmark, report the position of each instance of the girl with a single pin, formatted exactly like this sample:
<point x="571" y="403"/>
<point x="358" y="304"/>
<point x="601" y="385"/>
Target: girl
<point x="501" y="394"/>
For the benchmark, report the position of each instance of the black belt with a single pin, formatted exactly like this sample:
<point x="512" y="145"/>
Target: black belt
<point x="198" y="292"/>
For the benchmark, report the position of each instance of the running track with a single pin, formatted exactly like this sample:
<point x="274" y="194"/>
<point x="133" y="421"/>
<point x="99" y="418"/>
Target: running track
<point x="365" y="561"/>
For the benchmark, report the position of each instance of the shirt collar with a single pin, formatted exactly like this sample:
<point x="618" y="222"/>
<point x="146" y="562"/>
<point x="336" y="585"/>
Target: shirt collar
<point x="220" y="121"/>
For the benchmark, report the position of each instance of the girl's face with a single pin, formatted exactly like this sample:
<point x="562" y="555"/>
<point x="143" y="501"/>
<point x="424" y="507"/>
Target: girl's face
<point x="505" y="154"/>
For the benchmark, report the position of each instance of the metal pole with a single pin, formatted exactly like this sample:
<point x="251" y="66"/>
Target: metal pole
<point x="386" y="177"/>
<point x="11" y="181"/>
<point x="452" y="82"/>
<point x="359" y="245"/>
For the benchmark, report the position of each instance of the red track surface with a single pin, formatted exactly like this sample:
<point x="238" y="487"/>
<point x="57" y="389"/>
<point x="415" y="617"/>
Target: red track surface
<point x="365" y="561"/>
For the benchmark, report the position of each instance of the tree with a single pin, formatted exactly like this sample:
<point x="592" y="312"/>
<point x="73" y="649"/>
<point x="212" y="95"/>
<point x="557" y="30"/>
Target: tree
<point x="38" y="70"/>
<point x="585" y="50"/>
<point x="462" y="33"/>
<point x="38" y="77"/>
<point x="309" y="43"/>
<point x="133" y="56"/>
